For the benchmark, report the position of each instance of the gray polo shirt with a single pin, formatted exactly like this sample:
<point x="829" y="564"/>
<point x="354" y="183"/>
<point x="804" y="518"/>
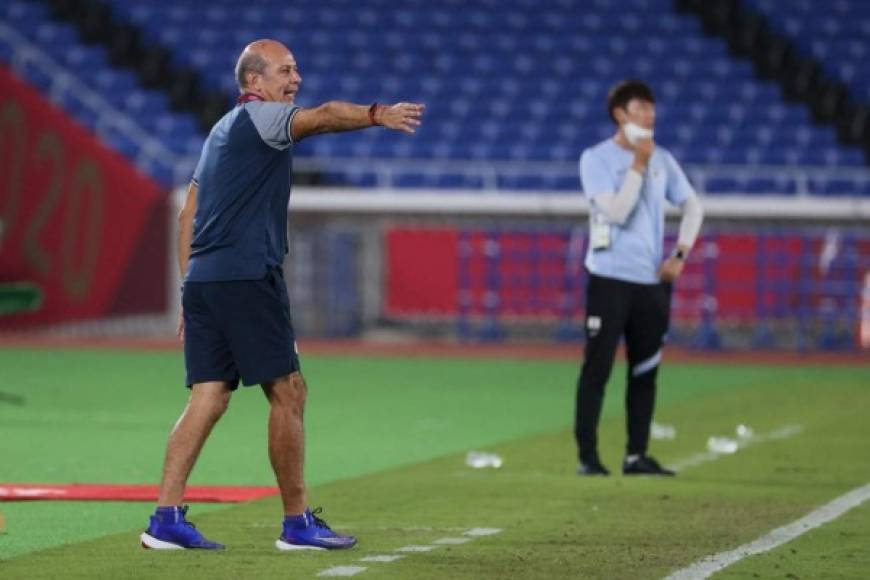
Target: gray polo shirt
<point x="243" y="179"/>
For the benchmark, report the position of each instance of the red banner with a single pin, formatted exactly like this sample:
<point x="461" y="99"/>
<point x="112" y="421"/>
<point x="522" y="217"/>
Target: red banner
<point x="538" y="273"/>
<point x="423" y="271"/>
<point x="79" y="220"/>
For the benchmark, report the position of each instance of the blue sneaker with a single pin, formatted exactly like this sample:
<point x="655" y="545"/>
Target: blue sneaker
<point x="169" y="530"/>
<point x="309" y="532"/>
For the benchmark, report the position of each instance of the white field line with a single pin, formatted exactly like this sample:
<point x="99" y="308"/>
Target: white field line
<point x="709" y="565"/>
<point x="390" y="558"/>
<point x="708" y="456"/>
<point x="416" y="548"/>
<point x="451" y="541"/>
<point x="343" y="571"/>
<point x="468" y="535"/>
<point x="478" y="532"/>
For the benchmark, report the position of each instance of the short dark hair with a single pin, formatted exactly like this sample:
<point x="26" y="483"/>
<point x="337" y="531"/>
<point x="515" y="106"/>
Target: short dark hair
<point x="624" y="92"/>
<point x="248" y="63"/>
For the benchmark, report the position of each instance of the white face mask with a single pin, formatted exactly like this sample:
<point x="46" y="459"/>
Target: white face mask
<point x="634" y="132"/>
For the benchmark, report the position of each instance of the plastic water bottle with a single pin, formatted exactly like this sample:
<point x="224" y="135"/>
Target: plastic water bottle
<point x="745" y="432"/>
<point x="722" y="445"/>
<point x="481" y="460"/>
<point x="660" y="431"/>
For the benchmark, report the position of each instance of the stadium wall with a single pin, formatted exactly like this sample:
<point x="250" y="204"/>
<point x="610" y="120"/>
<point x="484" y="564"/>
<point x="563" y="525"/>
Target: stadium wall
<point x="779" y="271"/>
<point x="78" y="220"/>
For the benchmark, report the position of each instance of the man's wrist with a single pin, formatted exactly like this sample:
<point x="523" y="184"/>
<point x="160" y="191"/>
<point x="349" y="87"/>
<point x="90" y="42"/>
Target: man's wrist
<point x="681" y="254"/>
<point x="376" y="114"/>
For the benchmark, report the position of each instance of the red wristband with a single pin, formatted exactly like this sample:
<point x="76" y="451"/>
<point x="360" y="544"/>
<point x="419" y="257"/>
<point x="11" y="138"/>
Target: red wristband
<point x="373" y="112"/>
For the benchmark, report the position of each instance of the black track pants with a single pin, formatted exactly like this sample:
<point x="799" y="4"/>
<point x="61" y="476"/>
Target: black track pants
<point x="640" y="313"/>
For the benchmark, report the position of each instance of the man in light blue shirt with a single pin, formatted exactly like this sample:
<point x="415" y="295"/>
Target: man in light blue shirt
<point x="628" y="180"/>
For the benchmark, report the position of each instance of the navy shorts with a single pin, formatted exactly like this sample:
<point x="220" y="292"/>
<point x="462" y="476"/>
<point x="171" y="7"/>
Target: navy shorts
<point x="238" y="330"/>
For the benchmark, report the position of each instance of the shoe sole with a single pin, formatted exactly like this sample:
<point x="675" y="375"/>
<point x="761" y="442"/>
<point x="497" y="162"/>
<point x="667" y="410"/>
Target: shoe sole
<point x="149" y="542"/>
<point x="285" y="547"/>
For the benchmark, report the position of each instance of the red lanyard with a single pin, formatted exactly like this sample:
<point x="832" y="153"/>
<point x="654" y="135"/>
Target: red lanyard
<point x="248" y="97"/>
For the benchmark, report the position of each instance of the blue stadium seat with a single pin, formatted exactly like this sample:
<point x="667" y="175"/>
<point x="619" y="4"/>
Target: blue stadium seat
<point x="90" y="65"/>
<point x="722" y="185"/>
<point x="834" y="33"/>
<point x="768" y="185"/>
<point x="521" y="182"/>
<point x="524" y="83"/>
<point x="833" y="186"/>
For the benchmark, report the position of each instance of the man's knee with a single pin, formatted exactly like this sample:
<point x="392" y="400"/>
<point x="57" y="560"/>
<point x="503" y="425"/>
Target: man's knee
<point x="642" y="371"/>
<point x="211" y="398"/>
<point x="594" y="374"/>
<point x="287" y="392"/>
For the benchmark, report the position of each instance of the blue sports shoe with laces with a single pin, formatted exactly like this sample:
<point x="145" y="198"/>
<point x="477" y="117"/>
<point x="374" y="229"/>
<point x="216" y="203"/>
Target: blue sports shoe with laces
<point x="170" y="530"/>
<point x="309" y="532"/>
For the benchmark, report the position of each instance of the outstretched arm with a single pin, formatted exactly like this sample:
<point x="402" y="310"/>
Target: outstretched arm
<point x="336" y="116"/>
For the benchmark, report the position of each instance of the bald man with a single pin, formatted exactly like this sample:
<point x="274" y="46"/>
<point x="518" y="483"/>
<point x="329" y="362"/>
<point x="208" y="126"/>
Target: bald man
<point x="236" y="322"/>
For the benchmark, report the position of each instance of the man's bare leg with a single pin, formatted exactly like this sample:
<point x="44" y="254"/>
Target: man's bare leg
<point x="287" y="439"/>
<point x="207" y="403"/>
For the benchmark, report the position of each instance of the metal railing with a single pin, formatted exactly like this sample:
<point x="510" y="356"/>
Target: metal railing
<point x="151" y="151"/>
<point x="388" y="171"/>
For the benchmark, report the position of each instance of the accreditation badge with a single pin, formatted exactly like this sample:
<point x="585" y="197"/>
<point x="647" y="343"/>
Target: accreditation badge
<point x="599" y="235"/>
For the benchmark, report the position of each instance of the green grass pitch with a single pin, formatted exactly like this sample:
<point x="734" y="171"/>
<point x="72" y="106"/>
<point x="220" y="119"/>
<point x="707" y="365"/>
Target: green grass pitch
<point x="385" y="457"/>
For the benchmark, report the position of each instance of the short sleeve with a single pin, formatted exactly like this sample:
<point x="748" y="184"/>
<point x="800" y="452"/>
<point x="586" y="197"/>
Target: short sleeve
<point x="594" y="176"/>
<point x="272" y="121"/>
<point x="678" y="188"/>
